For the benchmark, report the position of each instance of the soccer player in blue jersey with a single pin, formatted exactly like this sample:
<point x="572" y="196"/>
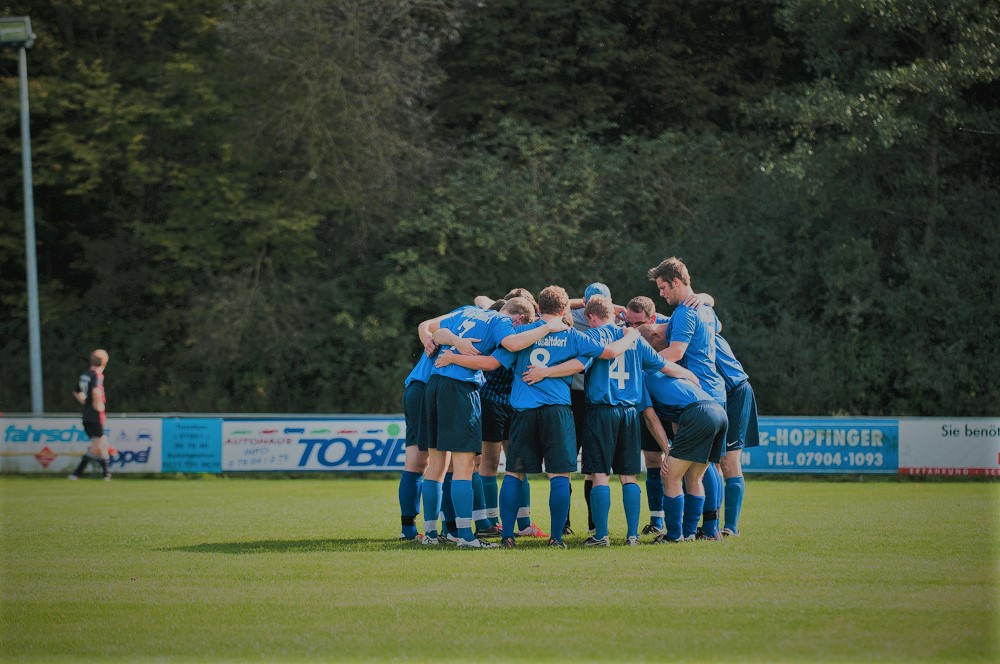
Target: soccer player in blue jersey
<point x="542" y="429"/>
<point x="611" y="428"/>
<point x="452" y="414"/>
<point x="416" y="459"/>
<point x="698" y="440"/>
<point x="690" y="335"/>
<point x="497" y="414"/>
<point x="741" y="407"/>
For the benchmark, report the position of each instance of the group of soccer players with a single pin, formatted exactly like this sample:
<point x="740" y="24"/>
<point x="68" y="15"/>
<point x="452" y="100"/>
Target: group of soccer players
<point x="499" y="374"/>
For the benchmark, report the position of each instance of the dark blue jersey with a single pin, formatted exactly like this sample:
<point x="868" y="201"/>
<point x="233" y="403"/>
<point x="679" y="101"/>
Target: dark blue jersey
<point x="727" y="365"/>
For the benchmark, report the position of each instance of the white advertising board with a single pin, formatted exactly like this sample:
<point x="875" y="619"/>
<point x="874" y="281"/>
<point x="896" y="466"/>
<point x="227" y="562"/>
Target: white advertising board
<point x="949" y="446"/>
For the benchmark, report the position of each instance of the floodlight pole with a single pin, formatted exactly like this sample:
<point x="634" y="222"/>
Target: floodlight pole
<point x="15" y="32"/>
<point x="34" y="332"/>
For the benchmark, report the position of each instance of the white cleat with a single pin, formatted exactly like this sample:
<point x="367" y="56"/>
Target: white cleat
<point x="429" y="541"/>
<point x="632" y="540"/>
<point x="72" y="477"/>
<point x="476" y="544"/>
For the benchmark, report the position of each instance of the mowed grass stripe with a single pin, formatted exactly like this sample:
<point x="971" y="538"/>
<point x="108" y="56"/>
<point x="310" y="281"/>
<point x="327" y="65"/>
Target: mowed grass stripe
<point x="251" y="569"/>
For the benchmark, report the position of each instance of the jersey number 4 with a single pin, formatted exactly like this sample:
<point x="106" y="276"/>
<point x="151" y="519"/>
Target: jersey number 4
<point x="617" y="372"/>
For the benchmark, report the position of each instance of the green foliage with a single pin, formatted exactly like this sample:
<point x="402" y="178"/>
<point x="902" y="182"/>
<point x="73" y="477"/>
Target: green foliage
<point x="252" y="204"/>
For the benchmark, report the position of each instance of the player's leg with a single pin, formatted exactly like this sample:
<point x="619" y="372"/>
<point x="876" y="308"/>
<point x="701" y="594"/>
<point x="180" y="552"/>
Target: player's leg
<point x="522" y="458"/>
<point x="415" y="462"/>
<point x="558" y="449"/>
<point x="479" y="516"/>
<point x="462" y="494"/>
<point x="673" y="499"/>
<point x="627" y="464"/>
<point x="600" y="427"/>
<point x="448" y="527"/>
<point x="95" y="432"/>
<point x="652" y="456"/>
<point x="488" y="465"/>
<point x="430" y="490"/>
<point x="103" y="456"/>
<point x="712" y="482"/>
<point x="409" y="490"/>
<point x="741" y="409"/>
<point x="694" y="498"/>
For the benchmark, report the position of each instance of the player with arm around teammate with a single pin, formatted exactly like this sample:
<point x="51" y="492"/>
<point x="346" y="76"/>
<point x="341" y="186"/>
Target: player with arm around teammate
<point x="452" y="415"/>
<point x="611" y="429"/>
<point x="699" y="438"/>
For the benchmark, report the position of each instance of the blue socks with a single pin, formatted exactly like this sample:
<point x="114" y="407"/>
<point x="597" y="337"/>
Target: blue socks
<point x="491" y="498"/>
<point x="654" y="497"/>
<point x="559" y="505"/>
<point x="673" y="514"/>
<point x="510" y="500"/>
<point x="461" y="498"/>
<point x="734" y="502"/>
<point x="713" y="500"/>
<point x="693" y="507"/>
<point x="447" y="506"/>
<point x="632" y="500"/>
<point x="431" y="492"/>
<point x="479" y="503"/>
<point x="600" y="505"/>
<point x="409" y="501"/>
<point x="524" y="505"/>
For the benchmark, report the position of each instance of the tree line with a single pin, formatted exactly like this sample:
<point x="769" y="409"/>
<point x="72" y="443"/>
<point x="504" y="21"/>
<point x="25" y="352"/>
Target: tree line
<point x="251" y="204"/>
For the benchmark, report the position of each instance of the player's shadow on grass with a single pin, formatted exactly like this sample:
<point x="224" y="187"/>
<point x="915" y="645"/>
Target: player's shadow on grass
<point x="291" y="546"/>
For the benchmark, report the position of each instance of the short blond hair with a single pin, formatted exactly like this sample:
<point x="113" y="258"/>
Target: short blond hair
<point x="99" y="358"/>
<point x="599" y="306"/>
<point x="519" y="305"/>
<point x="553" y="300"/>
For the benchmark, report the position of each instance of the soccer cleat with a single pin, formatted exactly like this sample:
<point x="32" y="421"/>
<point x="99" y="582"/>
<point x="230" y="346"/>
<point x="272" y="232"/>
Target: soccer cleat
<point x="663" y="539"/>
<point x="415" y="538"/>
<point x="448" y="538"/>
<point x="701" y="535"/>
<point x="650" y="529"/>
<point x="532" y="531"/>
<point x="567" y="531"/>
<point x="597" y="541"/>
<point x="631" y="540"/>
<point x="728" y="532"/>
<point x="429" y="541"/>
<point x="107" y="478"/>
<point x="72" y="477"/>
<point x="592" y="532"/>
<point x="507" y="543"/>
<point x="475" y="544"/>
<point x="557" y="543"/>
<point x="492" y="531"/>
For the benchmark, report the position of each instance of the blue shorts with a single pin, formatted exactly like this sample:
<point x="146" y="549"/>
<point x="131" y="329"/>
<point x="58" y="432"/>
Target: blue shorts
<point x="741" y="407"/>
<point x="496" y="421"/>
<point x="452" y="416"/>
<point x="611" y="440"/>
<point x="701" y="435"/>
<point x="545" y="433"/>
<point x="413" y="401"/>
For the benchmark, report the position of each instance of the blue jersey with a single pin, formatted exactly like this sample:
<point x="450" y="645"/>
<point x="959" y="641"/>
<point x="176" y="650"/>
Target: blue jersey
<point x="727" y="365"/>
<point x="669" y="396"/>
<point x="422" y="371"/>
<point x="618" y="382"/>
<point x="696" y="328"/>
<point x="490" y="327"/>
<point x="547" y="351"/>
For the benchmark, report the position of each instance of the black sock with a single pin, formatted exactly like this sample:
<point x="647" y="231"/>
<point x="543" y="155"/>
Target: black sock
<point x="104" y="466"/>
<point x="83" y="465"/>
<point x="571" y="499"/>
<point x="587" y="486"/>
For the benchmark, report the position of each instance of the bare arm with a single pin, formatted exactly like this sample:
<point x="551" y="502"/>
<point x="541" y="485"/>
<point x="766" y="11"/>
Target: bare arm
<point x="538" y="373"/>
<point x="577" y="303"/>
<point x="426" y="333"/>
<point x="656" y="428"/>
<point x="613" y="350"/>
<point x="445" y="337"/>
<point x="521" y="340"/>
<point x="474" y="362"/>
<point x="483" y="302"/>
<point x="696" y="300"/>
<point x="675" y="351"/>
<point x="677" y="371"/>
<point x="80" y="397"/>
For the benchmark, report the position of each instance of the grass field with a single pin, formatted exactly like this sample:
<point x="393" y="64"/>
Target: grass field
<point x="291" y="570"/>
